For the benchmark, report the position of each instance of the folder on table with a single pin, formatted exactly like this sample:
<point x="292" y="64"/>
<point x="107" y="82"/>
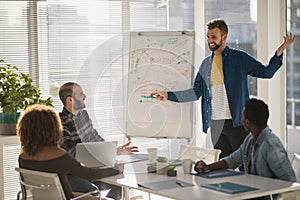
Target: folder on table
<point x="219" y="173"/>
<point x="228" y="187"/>
<point x="165" y="185"/>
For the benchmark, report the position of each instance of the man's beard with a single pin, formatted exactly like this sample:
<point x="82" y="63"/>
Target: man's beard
<point x="216" y="47"/>
<point x="78" y="105"/>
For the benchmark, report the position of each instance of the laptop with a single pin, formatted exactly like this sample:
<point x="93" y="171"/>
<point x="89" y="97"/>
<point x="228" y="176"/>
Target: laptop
<point x="130" y="158"/>
<point x="97" y="154"/>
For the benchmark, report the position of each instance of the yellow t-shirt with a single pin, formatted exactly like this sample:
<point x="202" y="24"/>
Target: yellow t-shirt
<point x="216" y="74"/>
<point x="219" y="101"/>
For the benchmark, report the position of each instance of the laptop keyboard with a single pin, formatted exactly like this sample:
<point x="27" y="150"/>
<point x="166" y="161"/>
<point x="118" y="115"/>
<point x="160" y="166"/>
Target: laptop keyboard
<point x="132" y="158"/>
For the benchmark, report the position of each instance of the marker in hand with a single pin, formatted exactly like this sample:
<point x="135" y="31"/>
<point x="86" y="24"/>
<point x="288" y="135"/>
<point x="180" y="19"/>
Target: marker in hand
<point x="160" y="96"/>
<point x="153" y="95"/>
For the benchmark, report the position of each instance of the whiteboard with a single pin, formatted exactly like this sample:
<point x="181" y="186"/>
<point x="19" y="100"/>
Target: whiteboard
<point x="159" y="61"/>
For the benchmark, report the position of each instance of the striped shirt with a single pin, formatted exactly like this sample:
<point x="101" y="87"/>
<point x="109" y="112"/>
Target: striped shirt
<point x="219" y="100"/>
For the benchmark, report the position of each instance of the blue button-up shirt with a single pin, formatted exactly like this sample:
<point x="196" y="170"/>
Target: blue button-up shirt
<point x="269" y="157"/>
<point x="237" y="65"/>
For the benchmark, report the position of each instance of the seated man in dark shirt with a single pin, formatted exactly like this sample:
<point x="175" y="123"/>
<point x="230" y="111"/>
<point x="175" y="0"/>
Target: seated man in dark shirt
<point x="261" y="153"/>
<point x="78" y="128"/>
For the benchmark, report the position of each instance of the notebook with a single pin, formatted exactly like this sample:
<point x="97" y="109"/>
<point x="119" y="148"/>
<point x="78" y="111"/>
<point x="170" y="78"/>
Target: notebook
<point x="228" y="187"/>
<point x="97" y="154"/>
<point x="165" y="184"/>
<point x="219" y="173"/>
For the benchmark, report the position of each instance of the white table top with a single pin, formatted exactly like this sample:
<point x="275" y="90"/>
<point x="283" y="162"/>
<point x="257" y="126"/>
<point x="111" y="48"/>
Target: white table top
<point x="135" y="173"/>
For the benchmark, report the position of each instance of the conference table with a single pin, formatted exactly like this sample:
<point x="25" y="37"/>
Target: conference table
<point x="136" y="174"/>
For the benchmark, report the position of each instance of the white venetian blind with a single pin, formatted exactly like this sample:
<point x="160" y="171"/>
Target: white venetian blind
<point x="85" y="46"/>
<point x="82" y="41"/>
<point x="88" y="44"/>
<point x="23" y="38"/>
<point x="11" y="177"/>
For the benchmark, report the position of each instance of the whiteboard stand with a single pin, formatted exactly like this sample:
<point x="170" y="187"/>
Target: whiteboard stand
<point x="159" y="61"/>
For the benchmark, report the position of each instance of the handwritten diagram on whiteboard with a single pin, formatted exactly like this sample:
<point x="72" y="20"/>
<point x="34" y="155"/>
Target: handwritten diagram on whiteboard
<point x="159" y="61"/>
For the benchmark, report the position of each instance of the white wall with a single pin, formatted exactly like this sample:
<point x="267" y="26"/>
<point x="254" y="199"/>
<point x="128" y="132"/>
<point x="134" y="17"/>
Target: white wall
<point x="293" y="138"/>
<point x="271" y="26"/>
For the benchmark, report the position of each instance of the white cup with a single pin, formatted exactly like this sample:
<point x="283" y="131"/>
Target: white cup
<point x="152" y="153"/>
<point x="187" y="165"/>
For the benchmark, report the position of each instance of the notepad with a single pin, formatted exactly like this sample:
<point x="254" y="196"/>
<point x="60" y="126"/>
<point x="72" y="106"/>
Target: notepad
<point x="229" y="187"/>
<point x="165" y="185"/>
<point x="218" y="173"/>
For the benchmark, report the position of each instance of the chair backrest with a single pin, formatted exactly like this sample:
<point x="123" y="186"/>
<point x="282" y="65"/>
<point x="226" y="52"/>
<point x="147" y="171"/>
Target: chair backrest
<point x="40" y="185"/>
<point x="296" y="165"/>
<point x="198" y="153"/>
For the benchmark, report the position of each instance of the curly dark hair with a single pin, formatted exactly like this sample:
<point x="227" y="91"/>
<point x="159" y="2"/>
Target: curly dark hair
<point x="218" y="23"/>
<point x="39" y="126"/>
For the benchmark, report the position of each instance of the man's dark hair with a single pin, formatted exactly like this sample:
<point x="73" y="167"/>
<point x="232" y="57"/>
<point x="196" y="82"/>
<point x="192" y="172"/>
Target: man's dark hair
<point x="218" y="23"/>
<point x="257" y="112"/>
<point x="66" y="90"/>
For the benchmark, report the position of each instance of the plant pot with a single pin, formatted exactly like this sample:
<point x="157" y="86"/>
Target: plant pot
<point x="8" y="123"/>
<point x="151" y="168"/>
<point x="171" y="173"/>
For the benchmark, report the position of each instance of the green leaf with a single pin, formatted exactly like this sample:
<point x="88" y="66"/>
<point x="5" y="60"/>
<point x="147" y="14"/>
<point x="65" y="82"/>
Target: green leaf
<point x="171" y="167"/>
<point x="17" y="90"/>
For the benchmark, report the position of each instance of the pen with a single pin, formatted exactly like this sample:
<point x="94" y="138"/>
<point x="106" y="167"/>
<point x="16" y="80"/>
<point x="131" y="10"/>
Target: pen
<point x="179" y="183"/>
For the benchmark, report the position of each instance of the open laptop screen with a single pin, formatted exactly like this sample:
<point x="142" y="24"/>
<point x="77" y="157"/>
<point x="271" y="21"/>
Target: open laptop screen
<point x="97" y="154"/>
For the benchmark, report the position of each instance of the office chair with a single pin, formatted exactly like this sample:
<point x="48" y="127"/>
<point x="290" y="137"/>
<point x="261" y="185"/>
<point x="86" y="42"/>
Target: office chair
<point x="296" y="167"/>
<point x="198" y="153"/>
<point x="46" y="186"/>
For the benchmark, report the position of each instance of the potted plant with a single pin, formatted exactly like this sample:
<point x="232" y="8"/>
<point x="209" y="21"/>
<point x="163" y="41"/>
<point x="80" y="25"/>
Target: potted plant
<point x="171" y="170"/>
<point x="16" y="93"/>
<point x="151" y="167"/>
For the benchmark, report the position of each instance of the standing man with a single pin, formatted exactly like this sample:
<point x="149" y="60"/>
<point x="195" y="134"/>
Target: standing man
<point x="222" y="81"/>
<point x="77" y="128"/>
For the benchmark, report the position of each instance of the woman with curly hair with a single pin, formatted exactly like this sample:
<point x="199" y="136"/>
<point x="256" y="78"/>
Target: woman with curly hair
<point x="40" y="131"/>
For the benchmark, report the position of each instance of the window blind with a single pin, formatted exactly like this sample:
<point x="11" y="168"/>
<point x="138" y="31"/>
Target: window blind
<point x="85" y="42"/>
<point x="85" y="46"/>
<point x="11" y="178"/>
<point x="88" y="43"/>
<point x="23" y="36"/>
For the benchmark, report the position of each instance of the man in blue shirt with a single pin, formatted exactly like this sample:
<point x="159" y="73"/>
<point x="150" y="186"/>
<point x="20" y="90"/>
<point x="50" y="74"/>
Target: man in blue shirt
<point x="261" y="153"/>
<point x="222" y="82"/>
